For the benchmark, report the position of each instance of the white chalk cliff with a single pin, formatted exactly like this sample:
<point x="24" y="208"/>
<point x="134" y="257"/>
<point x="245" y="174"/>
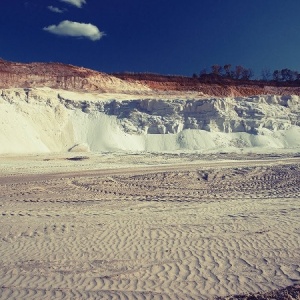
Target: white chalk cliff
<point x="34" y="120"/>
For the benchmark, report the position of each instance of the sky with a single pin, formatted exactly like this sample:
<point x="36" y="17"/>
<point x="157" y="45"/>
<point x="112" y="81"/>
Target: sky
<point x="158" y="36"/>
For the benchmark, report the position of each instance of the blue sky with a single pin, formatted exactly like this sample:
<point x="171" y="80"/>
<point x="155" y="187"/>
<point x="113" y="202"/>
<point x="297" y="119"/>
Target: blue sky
<point x="160" y="36"/>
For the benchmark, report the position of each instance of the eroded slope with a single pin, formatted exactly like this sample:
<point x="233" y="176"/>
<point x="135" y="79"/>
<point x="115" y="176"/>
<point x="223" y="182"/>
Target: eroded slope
<point x="43" y="120"/>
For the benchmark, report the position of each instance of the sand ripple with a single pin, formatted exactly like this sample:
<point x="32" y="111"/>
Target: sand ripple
<point x="195" y="233"/>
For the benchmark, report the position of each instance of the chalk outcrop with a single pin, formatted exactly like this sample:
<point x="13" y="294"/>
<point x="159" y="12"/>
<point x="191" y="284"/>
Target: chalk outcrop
<point x="243" y="114"/>
<point x="48" y="120"/>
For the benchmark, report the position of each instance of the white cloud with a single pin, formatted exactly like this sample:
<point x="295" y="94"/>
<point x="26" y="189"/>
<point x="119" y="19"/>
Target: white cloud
<point x="77" y="3"/>
<point x="69" y="28"/>
<point x="55" y="9"/>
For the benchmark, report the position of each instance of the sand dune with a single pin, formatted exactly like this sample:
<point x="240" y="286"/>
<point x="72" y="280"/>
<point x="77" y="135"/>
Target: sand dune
<point x="200" y="231"/>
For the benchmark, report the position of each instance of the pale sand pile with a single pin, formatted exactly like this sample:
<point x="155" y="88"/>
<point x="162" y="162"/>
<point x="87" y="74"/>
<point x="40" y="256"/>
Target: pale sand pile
<point x="44" y="120"/>
<point x="195" y="230"/>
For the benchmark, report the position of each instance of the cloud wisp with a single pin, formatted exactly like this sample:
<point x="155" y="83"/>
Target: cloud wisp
<point x="75" y="29"/>
<point x="77" y="3"/>
<point x="55" y="9"/>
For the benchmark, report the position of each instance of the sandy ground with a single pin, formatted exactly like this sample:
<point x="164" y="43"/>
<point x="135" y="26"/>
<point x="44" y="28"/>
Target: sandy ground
<point x="148" y="226"/>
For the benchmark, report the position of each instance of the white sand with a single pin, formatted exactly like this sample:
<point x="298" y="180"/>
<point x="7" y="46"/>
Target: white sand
<point x="47" y="120"/>
<point x="179" y="231"/>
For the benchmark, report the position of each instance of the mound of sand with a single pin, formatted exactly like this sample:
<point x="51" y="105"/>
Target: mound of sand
<point x="46" y="120"/>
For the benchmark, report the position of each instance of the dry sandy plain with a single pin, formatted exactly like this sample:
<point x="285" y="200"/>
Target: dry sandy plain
<point x="148" y="226"/>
